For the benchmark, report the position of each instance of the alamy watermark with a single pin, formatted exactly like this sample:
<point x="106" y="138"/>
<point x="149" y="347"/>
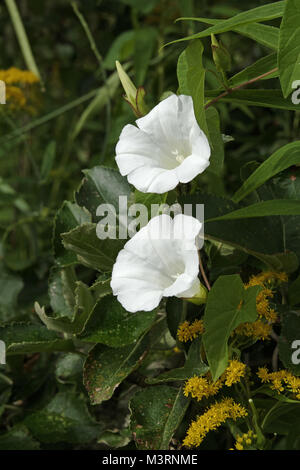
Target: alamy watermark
<point x="126" y="220"/>
<point x="296" y="93"/>
<point x="296" y="354"/>
<point x="2" y="352"/>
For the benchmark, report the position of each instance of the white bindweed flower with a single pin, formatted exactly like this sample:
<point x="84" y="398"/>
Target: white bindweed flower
<point x="161" y="260"/>
<point x="168" y="147"/>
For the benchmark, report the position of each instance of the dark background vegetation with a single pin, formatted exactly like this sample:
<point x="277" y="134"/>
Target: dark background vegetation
<point x="41" y="167"/>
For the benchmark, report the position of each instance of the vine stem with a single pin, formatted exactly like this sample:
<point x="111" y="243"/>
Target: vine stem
<point x="22" y="38"/>
<point x="237" y="87"/>
<point x="203" y="272"/>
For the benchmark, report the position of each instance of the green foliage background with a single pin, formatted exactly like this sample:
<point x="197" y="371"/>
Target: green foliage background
<point x="79" y="367"/>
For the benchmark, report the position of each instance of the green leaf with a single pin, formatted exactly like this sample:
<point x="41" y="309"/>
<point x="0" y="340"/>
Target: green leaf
<point x="261" y="66"/>
<point x="48" y="160"/>
<point x="65" y="419"/>
<point x="283" y="419"/>
<point x="156" y="412"/>
<point x="283" y="158"/>
<point x="91" y="251"/>
<point x="109" y="183"/>
<point x="229" y="304"/>
<point x="105" y="368"/>
<point x="263" y="34"/>
<point x="112" y="325"/>
<point x="290" y="331"/>
<point x="217" y="144"/>
<point x="62" y="283"/>
<point x="182" y="68"/>
<point x="294" y="292"/>
<point x="26" y="338"/>
<point x="195" y="80"/>
<point x="251" y="236"/>
<point x="84" y="304"/>
<point x="67" y="217"/>
<point x="191" y="76"/>
<point x="263" y="209"/>
<point x="12" y="285"/>
<point x="18" y="438"/>
<point x="259" y="14"/>
<point x="193" y="366"/>
<point x="289" y="47"/>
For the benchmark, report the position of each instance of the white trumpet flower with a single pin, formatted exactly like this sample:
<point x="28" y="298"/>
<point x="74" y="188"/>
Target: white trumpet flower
<point x="161" y="260"/>
<point x="168" y="147"/>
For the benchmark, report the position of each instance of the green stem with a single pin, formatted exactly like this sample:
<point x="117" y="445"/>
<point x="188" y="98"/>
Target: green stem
<point x="22" y="37"/>
<point x="237" y="87"/>
<point x="48" y="117"/>
<point x="260" y="437"/>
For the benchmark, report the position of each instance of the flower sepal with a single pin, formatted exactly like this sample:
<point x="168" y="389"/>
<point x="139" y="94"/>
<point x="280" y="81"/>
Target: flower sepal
<point x="201" y="296"/>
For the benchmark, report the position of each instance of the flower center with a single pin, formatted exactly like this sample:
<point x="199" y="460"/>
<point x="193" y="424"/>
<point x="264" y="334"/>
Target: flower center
<point x="178" y="156"/>
<point x="175" y="276"/>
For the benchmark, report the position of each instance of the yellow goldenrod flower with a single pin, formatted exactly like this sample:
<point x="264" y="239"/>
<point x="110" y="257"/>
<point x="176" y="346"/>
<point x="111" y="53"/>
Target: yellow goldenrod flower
<point x="266" y="278"/>
<point x="187" y="332"/>
<point x="200" y="387"/>
<point x="14" y="75"/>
<point x="213" y="418"/>
<point x="280" y="381"/>
<point x="15" y="95"/>
<point x="234" y="372"/>
<point x="261" y="328"/>
<point x="245" y="440"/>
<point x="257" y="329"/>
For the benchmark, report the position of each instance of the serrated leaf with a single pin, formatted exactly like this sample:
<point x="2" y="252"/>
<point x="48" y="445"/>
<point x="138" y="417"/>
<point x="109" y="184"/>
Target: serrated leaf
<point x="91" y="251"/>
<point x="105" y="368"/>
<point x="26" y="338"/>
<point x="156" y="412"/>
<point x="84" y="304"/>
<point x="68" y="217"/>
<point x="112" y="325"/>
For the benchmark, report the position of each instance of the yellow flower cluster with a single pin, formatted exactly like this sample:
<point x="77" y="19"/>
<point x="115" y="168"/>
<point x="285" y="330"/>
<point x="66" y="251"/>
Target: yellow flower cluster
<point x="15" y="94"/>
<point x="188" y="331"/>
<point x="257" y="329"/>
<point x="280" y="381"/>
<point x="267" y="278"/>
<point x="200" y="387"/>
<point x="234" y="372"/>
<point x="14" y="75"/>
<point x="213" y="418"/>
<point x="245" y="440"/>
<point x="261" y="328"/>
